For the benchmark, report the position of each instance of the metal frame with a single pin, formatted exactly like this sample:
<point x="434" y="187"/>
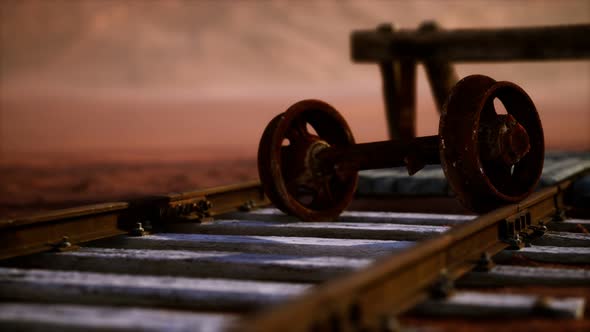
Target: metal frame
<point x="397" y="52"/>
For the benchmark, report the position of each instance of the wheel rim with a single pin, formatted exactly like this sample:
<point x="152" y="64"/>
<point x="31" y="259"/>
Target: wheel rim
<point x="480" y="184"/>
<point x="285" y="165"/>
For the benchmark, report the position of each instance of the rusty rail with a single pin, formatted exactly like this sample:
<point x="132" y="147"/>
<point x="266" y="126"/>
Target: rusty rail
<point x="368" y="299"/>
<point x="62" y="229"/>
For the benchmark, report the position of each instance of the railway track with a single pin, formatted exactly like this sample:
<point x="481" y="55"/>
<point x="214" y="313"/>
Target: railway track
<point x="263" y="270"/>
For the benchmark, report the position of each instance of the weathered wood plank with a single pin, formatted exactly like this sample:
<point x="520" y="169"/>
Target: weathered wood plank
<point x="474" y="304"/>
<point x="431" y="180"/>
<point x="163" y="291"/>
<point x="563" y="239"/>
<point x="343" y="230"/>
<point x="281" y="245"/>
<point x="558" y="169"/>
<point x="547" y="254"/>
<point x="405" y="218"/>
<point x="204" y="264"/>
<point x="507" y="275"/>
<point x="408" y="218"/>
<point x="60" y="318"/>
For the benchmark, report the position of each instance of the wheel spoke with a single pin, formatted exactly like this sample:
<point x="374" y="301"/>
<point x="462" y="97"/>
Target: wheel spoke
<point x="324" y="196"/>
<point x="500" y="174"/>
<point x="298" y="134"/>
<point x="292" y="165"/>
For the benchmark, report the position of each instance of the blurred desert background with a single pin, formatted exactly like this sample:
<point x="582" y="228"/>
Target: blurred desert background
<point x="104" y="100"/>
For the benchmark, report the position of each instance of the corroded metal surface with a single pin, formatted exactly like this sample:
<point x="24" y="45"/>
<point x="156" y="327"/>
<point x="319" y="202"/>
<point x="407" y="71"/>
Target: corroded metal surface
<point x="287" y="161"/>
<point x="58" y="230"/>
<point x="489" y="158"/>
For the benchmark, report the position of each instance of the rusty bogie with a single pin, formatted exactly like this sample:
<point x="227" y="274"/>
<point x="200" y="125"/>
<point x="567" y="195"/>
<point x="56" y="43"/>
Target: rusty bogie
<point x="290" y="172"/>
<point x="490" y="159"/>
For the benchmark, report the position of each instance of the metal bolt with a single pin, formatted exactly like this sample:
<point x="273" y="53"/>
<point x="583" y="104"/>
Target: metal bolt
<point x="204" y="205"/>
<point x="539" y="230"/>
<point x="515" y="242"/>
<point x="504" y="139"/>
<point x="64" y="243"/>
<point x="138" y="230"/>
<point x="248" y="205"/>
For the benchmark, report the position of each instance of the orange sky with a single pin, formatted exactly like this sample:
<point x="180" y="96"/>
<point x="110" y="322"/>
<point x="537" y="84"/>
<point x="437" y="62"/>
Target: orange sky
<point x="153" y="75"/>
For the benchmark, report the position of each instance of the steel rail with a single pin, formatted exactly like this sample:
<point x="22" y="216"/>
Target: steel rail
<point x="368" y="299"/>
<point x="469" y="45"/>
<point x="62" y="229"/>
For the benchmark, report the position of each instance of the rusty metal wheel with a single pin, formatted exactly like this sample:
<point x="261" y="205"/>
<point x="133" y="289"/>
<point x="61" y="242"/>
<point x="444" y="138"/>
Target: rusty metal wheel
<point x="292" y="177"/>
<point x="490" y="159"/>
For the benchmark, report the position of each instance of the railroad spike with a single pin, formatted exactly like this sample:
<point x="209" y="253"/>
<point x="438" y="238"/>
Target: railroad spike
<point x="64" y="245"/>
<point x="489" y="159"/>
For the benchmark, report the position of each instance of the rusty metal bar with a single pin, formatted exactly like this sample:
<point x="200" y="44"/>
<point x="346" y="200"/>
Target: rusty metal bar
<point x="60" y="230"/>
<point x="413" y="153"/>
<point x="63" y="229"/>
<point x="567" y="42"/>
<point x="366" y="300"/>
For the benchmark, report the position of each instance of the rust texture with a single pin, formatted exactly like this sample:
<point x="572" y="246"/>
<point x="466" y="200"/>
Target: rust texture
<point x="489" y="159"/>
<point x="291" y="177"/>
